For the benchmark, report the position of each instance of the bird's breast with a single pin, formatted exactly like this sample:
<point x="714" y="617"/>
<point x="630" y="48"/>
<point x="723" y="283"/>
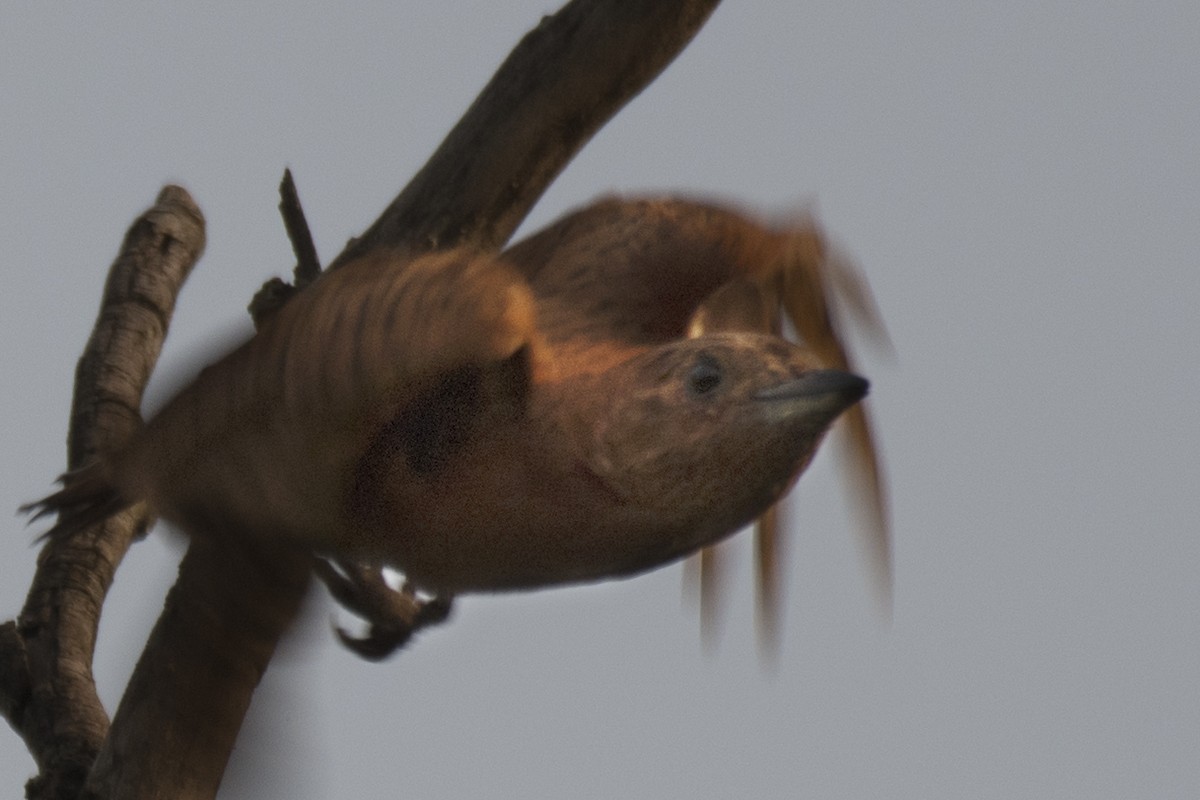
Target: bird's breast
<point x="511" y="511"/>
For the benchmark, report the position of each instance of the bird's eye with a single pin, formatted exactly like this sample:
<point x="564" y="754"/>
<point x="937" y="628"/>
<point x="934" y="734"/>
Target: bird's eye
<point x="705" y="375"/>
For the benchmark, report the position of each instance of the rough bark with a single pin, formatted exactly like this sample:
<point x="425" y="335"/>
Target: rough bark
<point x="561" y="83"/>
<point x="47" y="689"/>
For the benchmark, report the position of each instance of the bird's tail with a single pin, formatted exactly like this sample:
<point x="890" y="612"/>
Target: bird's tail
<point x="87" y="497"/>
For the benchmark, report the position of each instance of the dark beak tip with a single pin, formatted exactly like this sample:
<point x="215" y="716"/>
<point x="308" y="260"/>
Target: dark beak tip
<point x="846" y="385"/>
<point x="859" y="386"/>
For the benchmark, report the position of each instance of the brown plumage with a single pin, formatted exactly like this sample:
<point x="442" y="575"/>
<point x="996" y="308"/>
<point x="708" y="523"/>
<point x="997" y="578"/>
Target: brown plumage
<point x="604" y="397"/>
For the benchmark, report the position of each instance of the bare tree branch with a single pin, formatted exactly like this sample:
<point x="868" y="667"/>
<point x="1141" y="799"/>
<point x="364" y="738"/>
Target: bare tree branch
<point x="181" y="712"/>
<point x="561" y="83"/>
<point x="54" y="706"/>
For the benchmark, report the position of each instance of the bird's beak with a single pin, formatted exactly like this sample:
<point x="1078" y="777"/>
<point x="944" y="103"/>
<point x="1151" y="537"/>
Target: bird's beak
<point x="820" y="393"/>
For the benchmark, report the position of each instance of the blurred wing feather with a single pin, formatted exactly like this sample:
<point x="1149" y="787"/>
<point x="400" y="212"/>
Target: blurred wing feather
<point x="275" y="426"/>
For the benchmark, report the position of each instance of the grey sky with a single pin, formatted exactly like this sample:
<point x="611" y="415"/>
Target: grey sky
<point x="1021" y="184"/>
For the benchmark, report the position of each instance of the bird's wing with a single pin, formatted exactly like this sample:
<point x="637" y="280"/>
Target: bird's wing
<point x="275" y="427"/>
<point x="634" y="271"/>
<point x="380" y="329"/>
<point x="814" y="285"/>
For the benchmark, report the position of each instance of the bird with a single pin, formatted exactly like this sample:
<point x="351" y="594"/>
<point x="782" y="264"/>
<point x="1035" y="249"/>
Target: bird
<point x="609" y="395"/>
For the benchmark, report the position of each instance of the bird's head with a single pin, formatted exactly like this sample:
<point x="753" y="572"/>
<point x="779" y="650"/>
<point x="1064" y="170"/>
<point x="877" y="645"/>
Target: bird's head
<point x="710" y="431"/>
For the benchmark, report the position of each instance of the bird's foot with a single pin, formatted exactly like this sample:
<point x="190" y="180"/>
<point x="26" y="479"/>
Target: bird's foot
<point x="393" y="615"/>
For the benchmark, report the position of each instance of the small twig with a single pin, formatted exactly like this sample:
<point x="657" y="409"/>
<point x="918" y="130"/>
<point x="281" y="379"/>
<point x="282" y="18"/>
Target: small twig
<point x="308" y="265"/>
<point x="276" y="292"/>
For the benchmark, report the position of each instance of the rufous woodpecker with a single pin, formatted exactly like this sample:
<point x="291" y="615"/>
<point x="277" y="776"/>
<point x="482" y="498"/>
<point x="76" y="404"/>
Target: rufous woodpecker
<point x="604" y="397"/>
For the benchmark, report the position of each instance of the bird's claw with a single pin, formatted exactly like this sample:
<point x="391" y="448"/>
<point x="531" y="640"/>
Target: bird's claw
<point x="393" y="615"/>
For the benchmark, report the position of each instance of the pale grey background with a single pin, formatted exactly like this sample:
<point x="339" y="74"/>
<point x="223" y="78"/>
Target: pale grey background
<point x="1021" y="182"/>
